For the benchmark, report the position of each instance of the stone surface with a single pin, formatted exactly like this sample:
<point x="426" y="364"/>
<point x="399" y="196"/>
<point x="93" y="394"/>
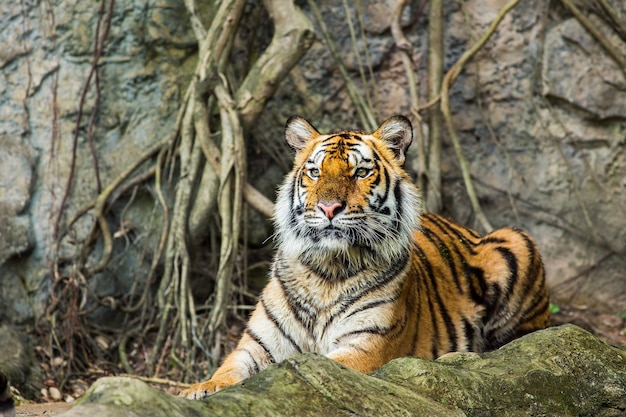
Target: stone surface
<point x="599" y="85"/>
<point x="45" y="66"/>
<point x="17" y="361"/>
<point x="16" y="174"/>
<point x="555" y="372"/>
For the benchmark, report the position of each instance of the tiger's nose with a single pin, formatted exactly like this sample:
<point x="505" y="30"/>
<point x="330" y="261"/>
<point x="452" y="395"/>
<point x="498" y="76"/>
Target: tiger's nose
<point x="331" y="209"/>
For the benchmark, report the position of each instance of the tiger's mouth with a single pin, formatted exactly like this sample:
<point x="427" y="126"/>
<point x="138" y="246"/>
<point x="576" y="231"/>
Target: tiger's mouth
<point x="345" y="232"/>
<point x="331" y="232"/>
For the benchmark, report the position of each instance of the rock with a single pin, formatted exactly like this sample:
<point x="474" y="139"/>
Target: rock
<point x="55" y="394"/>
<point x="17" y="361"/>
<point x="16" y="172"/>
<point x="558" y="371"/>
<point x="7" y="406"/>
<point x="554" y="372"/>
<point x="304" y="385"/>
<point x="578" y="70"/>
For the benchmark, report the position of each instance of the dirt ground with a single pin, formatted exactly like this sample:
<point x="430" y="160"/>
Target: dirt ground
<point x="611" y="328"/>
<point x="41" y="410"/>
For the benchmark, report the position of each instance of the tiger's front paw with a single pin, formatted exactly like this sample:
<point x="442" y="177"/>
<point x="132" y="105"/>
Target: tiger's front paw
<point x="199" y="391"/>
<point x="218" y="382"/>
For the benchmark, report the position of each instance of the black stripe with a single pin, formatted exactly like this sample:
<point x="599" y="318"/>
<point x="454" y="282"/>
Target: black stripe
<point x="381" y="200"/>
<point x="298" y="209"/>
<point x="346" y="136"/>
<point x="535" y="264"/>
<point x="258" y="340"/>
<point x="278" y="325"/>
<point x="452" y="230"/>
<point x="432" y="280"/>
<point x="533" y="276"/>
<point x="428" y="272"/>
<point x="346" y="304"/>
<point x="372" y="304"/>
<point x="374" y="330"/>
<point x="418" y="278"/>
<point x="537" y="307"/>
<point x="298" y="309"/>
<point x="457" y="228"/>
<point x="492" y="239"/>
<point x="382" y="173"/>
<point x="476" y="280"/>
<point x="511" y="262"/>
<point x="470" y="335"/>
<point x="474" y="276"/>
<point x="304" y="314"/>
<point x="313" y="156"/>
<point x="377" y="283"/>
<point x="376" y="180"/>
<point x="356" y="151"/>
<point x="397" y="193"/>
<point x="255" y="369"/>
<point x="383" y="278"/>
<point x="449" y="258"/>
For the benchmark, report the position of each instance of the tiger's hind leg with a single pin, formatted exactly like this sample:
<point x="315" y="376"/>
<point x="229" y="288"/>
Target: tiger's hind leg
<point x="516" y="298"/>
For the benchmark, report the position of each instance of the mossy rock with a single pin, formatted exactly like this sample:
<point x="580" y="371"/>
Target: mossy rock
<point x="560" y="371"/>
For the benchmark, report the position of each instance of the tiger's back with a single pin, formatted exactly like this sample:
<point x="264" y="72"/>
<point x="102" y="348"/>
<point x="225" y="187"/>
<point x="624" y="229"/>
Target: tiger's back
<point x="363" y="275"/>
<point x="476" y="292"/>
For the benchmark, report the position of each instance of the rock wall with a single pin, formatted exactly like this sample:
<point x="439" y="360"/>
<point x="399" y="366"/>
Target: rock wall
<point x="47" y="85"/>
<point x="540" y="112"/>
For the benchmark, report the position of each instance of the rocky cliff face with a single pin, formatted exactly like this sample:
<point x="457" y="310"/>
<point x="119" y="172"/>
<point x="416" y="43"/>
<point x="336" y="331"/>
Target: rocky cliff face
<point x="540" y="111"/>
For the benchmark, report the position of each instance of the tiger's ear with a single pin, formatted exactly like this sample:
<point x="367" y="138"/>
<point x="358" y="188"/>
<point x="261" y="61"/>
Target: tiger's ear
<point x="298" y="132"/>
<point x="397" y="133"/>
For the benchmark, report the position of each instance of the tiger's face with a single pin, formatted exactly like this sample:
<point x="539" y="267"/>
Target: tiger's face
<point x="347" y="196"/>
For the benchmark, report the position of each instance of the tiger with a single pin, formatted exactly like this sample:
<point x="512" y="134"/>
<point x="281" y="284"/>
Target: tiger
<point x="363" y="275"/>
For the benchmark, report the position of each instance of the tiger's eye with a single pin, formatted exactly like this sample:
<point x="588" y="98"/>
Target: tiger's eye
<point x="362" y="172"/>
<point x="314" y="173"/>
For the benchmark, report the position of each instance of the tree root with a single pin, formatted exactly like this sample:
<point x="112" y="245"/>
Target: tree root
<point x="448" y="80"/>
<point x="434" y="201"/>
<point x="617" y="56"/>
<point x="405" y="49"/>
<point x="186" y="156"/>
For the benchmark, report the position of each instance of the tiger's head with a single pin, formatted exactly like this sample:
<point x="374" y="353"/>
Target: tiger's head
<point x="347" y="204"/>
